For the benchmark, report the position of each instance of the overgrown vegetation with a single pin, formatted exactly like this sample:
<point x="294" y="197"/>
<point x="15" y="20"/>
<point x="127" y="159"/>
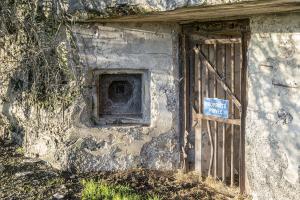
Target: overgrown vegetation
<point x="93" y="190"/>
<point x="39" y="66"/>
<point x="20" y="150"/>
<point x="35" y="39"/>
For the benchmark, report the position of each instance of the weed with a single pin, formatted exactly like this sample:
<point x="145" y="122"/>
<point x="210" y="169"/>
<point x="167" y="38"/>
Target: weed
<point x="153" y="197"/>
<point x="55" y="181"/>
<point x="20" y="150"/>
<point x="93" y="190"/>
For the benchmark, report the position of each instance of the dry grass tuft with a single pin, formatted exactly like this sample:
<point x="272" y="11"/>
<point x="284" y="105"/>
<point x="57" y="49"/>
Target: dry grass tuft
<point x="221" y="187"/>
<point x="190" y="177"/>
<point x="224" y="189"/>
<point x="209" y="182"/>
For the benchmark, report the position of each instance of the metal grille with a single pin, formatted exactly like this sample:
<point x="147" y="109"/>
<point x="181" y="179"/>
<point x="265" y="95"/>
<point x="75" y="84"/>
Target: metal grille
<point x="120" y="95"/>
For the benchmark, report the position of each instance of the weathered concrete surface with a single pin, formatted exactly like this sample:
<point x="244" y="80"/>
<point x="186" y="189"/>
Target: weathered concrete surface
<point x="86" y="146"/>
<point x="272" y="124"/>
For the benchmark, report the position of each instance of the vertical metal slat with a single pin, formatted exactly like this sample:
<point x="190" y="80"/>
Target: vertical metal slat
<point x="242" y="172"/>
<point x="216" y="123"/>
<point x="232" y="58"/>
<point x="224" y="125"/>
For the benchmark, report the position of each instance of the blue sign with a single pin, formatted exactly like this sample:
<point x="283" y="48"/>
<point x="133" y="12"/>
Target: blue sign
<point x="216" y="107"/>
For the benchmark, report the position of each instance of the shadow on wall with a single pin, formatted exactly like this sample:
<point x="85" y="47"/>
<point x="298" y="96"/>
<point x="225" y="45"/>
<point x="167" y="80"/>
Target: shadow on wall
<point x="272" y="124"/>
<point x="15" y="129"/>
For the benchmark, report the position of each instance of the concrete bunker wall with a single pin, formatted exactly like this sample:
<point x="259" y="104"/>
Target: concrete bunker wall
<point x="272" y="122"/>
<point x="132" y="47"/>
<point x="92" y="146"/>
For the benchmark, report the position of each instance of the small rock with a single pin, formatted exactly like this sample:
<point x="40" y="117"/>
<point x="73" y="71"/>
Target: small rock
<point x="2" y="168"/>
<point x="35" y="182"/>
<point x="31" y="160"/>
<point x="7" y="142"/>
<point x="53" y="173"/>
<point x="58" y="196"/>
<point x="73" y="176"/>
<point x="20" y="174"/>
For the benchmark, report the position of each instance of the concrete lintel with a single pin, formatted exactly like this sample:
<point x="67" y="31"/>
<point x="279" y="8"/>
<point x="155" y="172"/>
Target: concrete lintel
<point x="210" y="13"/>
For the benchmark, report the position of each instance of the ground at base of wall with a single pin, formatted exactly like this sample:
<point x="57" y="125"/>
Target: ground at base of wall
<point x="25" y="178"/>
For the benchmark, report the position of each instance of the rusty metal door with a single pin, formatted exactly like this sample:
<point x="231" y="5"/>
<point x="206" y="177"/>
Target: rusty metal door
<point x="214" y="66"/>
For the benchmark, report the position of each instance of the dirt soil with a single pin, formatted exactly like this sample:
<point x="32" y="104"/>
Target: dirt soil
<point x="27" y="178"/>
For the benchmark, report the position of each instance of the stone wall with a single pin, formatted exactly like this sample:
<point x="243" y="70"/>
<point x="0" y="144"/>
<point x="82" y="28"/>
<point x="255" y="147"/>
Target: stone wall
<point x="272" y="124"/>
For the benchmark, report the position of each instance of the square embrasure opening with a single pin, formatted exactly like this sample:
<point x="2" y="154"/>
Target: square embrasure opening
<point x="123" y="97"/>
<point x="120" y="95"/>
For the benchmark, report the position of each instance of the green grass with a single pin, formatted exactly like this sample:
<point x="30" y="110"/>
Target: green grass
<point x="102" y="191"/>
<point x="20" y="150"/>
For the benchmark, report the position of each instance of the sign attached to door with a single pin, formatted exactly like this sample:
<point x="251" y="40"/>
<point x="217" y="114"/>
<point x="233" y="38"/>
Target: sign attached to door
<point x="216" y="107"/>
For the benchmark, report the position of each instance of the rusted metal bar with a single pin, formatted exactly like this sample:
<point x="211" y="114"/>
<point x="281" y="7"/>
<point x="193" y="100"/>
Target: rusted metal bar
<point x="188" y="85"/>
<point x="211" y="148"/>
<point x="216" y="123"/>
<point x="200" y="99"/>
<point x="242" y="171"/>
<point x="183" y="154"/>
<point x="203" y="79"/>
<point x="185" y="102"/>
<point x="224" y="125"/>
<point x="208" y="122"/>
<point x="190" y="96"/>
<point x="232" y="58"/>
<point x="220" y="79"/>
<point x="98" y="92"/>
